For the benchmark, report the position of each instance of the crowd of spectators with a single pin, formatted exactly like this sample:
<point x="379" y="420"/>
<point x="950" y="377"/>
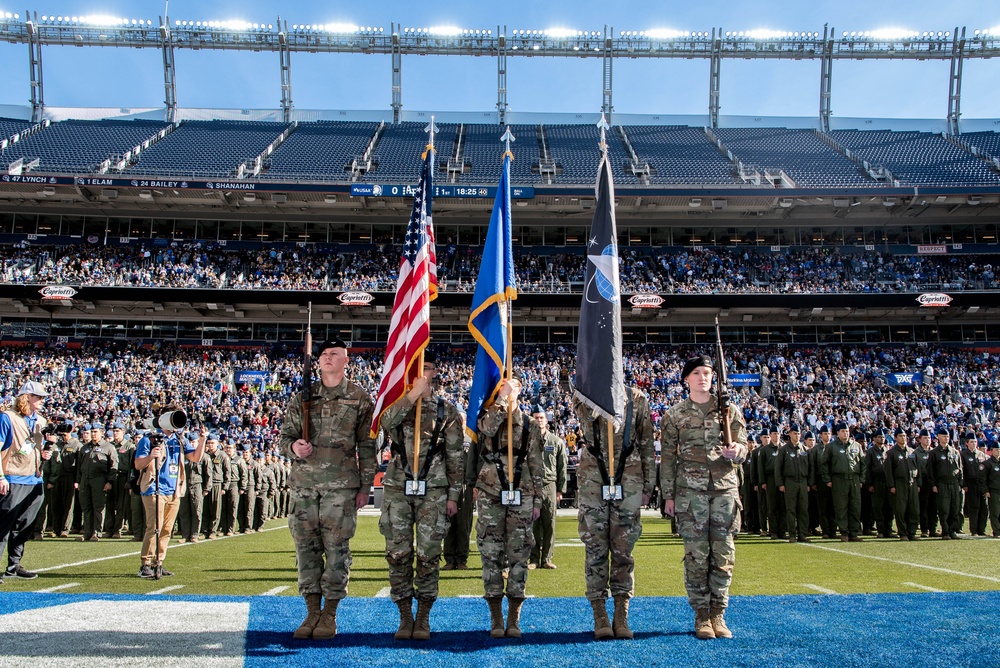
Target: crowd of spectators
<point x="707" y="270"/>
<point x="120" y="381"/>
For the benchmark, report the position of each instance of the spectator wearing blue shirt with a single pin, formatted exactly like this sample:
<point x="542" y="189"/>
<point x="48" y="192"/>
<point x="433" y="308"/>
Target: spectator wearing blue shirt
<point x="21" y="454"/>
<point x="163" y="461"/>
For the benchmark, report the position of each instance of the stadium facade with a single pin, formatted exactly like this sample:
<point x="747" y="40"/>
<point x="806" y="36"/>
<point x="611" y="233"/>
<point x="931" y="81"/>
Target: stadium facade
<point x="339" y="182"/>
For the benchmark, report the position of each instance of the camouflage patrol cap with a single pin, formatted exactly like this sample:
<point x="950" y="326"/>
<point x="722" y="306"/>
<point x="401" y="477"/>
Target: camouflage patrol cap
<point x="694" y="363"/>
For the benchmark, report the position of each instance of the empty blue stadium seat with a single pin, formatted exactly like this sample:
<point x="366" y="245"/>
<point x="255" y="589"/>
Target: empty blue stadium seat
<point x="320" y="151"/>
<point x="207" y="148"/>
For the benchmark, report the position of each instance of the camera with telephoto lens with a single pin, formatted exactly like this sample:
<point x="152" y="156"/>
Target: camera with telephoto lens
<point x="167" y="421"/>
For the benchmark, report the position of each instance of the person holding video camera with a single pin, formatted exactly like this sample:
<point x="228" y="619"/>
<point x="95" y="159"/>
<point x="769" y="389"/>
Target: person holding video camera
<point x="23" y="448"/>
<point x="162" y="484"/>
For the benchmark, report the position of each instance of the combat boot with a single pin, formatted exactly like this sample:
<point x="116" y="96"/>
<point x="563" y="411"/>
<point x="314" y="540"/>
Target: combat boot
<point x="514" y="616"/>
<point x="405" y="630"/>
<point x="620" y="624"/>
<point x="326" y="627"/>
<point x="496" y="616"/>
<point x="602" y="627"/>
<point x="422" y="625"/>
<point x="305" y="630"/>
<point x="703" y="625"/>
<point x="719" y="622"/>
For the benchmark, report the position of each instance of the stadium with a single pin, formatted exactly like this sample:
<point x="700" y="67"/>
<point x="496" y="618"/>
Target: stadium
<point x="147" y="252"/>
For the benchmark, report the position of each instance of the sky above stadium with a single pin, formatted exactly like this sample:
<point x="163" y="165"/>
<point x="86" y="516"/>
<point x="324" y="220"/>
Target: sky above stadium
<point x="76" y="77"/>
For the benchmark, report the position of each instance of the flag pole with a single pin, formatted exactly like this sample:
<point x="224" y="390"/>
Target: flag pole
<point x="507" y="138"/>
<point x="431" y="129"/>
<point x="603" y="125"/>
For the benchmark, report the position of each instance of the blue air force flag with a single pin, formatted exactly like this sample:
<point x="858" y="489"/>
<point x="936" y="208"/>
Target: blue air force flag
<point x="488" y="318"/>
<point x="600" y="379"/>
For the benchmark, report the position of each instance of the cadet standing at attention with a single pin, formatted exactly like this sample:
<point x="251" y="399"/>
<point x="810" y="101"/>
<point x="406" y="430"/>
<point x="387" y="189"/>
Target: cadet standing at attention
<point x="419" y="504"/>
<point x="554" y="462"/>
<point x="843" y="470"/>
<point x="610" y="524"/>
<point x="698" y="476"/>
<point x="503" y="532"/>
<point x="330" y="481"/>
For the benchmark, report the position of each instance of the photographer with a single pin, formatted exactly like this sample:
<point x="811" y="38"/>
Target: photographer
<point x="23" y="449"/>
<point x="158" y="456"/>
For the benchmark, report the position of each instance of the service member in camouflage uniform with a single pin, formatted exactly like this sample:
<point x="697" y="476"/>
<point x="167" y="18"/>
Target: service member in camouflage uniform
<point x="609" y="529"/>
<point x="503" y="533"/>
<point x="554" y="462"/>
<point x="331" y="479"/>
<point x="118" y="499"/>
<point x="902" y="479"/>
<point x="843" y="470"/>
<point x="699" y="479"/>
<point x="97" y="470"/>
<point x="420" y="519"/>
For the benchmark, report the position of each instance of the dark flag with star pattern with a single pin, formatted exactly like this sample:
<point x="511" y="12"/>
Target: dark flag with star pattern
<point x="600" y="378"/>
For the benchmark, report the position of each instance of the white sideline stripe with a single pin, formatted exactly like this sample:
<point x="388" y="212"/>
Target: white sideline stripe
<point x="924" y="587"/>
<point x="576" y="543"/>
<point x="164" y="590"/>
<point x="275" y="591"/>
<point x="822" y="590"/>
<point x="136" y="554"/>
<point x="383" y="592"/>
<point x="939" y="569"/>
<point x="49" y="590"/>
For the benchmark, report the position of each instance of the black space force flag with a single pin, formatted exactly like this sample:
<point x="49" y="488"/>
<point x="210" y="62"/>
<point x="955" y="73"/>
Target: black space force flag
<point x="600" y="379"/>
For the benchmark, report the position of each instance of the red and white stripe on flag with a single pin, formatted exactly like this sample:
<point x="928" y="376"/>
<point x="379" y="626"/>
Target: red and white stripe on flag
<point x="416" y="288"/>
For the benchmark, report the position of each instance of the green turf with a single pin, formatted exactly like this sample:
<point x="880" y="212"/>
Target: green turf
<point x="256" y="563"/>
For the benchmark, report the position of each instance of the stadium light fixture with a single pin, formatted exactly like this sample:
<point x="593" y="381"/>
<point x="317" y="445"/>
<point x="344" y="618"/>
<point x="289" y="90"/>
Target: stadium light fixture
<point x="892" y="33"/>
<point x="665" y="33"/>
<point x="561" y="33"/>
<point x="763" y="33"/>
<point x="445" y="31"/>
<point x="340" y="28"/>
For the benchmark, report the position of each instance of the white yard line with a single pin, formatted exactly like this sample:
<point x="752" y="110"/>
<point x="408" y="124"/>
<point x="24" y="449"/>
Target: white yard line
<point x="275" y="591"/>
<point x="136" y="554"/>
<point x="49" y="590"/>
<point x="924" y="587"/>
<point x="822" y="590"/>
<point x="905" y="563"/>
<point x="383" y="592"/>
<point x="164" y="590"/>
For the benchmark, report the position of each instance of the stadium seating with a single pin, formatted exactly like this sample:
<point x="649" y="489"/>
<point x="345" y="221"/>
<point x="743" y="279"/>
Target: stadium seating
<point x="399" y="151"/>
<point x="79" y="147"/>
<point x="319" y="151"/>
<point x="207" y="148"/>
<point x="918" y="158"/>
<point x="803" y="156"/>
<point x="11" y="126"/>
<point x="986" y="142"/>
<point x="680" y="155"/>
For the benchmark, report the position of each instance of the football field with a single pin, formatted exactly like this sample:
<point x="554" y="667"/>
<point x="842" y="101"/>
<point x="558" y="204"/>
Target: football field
<point x="234" y="601"/>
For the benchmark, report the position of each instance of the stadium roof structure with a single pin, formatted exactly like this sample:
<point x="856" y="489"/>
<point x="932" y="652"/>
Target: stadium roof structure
<point x="955" y="45"/>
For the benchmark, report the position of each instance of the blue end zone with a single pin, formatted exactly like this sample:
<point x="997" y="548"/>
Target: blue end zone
<point x="948" y="629"/>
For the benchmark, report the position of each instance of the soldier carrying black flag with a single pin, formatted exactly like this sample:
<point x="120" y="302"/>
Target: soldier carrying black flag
<point x="617" y="467"/>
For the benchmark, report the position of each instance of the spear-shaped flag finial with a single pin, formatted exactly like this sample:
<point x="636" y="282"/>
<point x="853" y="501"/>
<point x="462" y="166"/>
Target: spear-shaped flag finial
<point x="507" y="138"/>
<point x="604" y="127"/>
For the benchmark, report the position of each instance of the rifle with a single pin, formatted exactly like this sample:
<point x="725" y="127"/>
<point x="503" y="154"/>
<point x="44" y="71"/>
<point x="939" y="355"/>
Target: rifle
<point x="722" y="387"/>
<point x="307" y="364"/>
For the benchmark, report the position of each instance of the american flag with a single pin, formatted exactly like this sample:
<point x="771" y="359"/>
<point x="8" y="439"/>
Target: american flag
<point x="416" y="288"/>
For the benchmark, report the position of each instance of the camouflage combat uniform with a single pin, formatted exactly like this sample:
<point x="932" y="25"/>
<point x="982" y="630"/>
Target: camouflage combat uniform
<point x="503" y="533"/>
<point x="324" y="485"/>
<point x="423" y="516"/>
<point x="610" y="529"/>
<point x="705" y="489"/>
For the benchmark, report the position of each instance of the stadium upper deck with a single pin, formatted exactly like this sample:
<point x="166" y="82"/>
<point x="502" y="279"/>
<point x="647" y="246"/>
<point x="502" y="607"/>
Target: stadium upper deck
<point x="642" y="156"/>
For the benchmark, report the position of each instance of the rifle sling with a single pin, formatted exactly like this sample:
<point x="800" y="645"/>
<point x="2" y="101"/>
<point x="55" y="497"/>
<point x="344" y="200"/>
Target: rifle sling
<point x="519" y="457"/>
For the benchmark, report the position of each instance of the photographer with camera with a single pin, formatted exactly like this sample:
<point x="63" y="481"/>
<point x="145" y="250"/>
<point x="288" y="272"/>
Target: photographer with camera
<point x="162" y="484"/>
<point x="23" y="448"/>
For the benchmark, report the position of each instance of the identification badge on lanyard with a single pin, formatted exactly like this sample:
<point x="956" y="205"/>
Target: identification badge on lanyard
<point x="172" y="470"/>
